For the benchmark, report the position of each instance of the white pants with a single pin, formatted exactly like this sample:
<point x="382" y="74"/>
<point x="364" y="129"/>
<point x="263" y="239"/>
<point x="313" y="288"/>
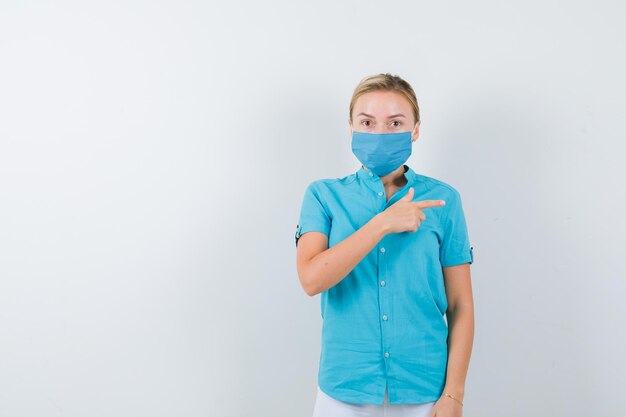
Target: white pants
<point x="326" y="406"/>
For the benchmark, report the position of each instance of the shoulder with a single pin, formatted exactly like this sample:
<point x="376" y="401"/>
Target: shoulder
<point x="440" y="187"/>
<point x="331" y="184"/>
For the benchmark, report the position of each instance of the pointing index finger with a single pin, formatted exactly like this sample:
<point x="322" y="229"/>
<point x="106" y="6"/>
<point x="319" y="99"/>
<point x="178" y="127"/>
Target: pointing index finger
<point x="429" y="203"/>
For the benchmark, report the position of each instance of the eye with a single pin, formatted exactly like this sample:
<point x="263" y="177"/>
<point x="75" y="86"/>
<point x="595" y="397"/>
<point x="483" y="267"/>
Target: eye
<point x="365" y="121"/>
<point x="397" y="121"/>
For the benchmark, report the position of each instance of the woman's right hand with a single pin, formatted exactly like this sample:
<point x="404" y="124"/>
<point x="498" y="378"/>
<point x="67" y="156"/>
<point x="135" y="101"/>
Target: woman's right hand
<point x="405" y="215"/>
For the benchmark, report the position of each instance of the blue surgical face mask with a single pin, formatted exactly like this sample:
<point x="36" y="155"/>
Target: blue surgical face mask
<point x="382" y="153"/>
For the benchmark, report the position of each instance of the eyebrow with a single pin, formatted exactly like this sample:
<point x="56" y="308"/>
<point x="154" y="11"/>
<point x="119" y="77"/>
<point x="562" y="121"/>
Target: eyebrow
<point x="390" y="117"/>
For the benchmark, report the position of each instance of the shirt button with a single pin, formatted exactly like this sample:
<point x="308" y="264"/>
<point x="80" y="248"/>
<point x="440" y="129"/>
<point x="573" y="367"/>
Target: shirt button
<point x="380" y="193"/>
<point x="382" y="283"/>
<point x="386" y="354"/>
<point x="382" y="250"/>
<point x="384" y="317"/>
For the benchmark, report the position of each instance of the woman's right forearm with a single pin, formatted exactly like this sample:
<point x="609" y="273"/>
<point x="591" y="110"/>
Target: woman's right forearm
<point x="329" y="267"/>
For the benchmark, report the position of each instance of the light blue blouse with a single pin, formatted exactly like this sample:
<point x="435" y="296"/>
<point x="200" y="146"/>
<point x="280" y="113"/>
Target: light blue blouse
<point x="383" y="324"/>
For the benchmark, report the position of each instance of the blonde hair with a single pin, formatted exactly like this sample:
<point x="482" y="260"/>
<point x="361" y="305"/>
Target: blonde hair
<point x="388" y="82"/>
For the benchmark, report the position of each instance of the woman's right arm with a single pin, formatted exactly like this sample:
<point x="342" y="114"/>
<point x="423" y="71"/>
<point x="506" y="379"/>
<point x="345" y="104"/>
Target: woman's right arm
<point x="320" y="267"/>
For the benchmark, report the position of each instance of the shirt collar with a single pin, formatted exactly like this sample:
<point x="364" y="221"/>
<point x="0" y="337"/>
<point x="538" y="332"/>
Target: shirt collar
<point x="365" y="174"/>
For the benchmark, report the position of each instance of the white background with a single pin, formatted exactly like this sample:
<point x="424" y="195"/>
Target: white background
<point x="153" y="158"/>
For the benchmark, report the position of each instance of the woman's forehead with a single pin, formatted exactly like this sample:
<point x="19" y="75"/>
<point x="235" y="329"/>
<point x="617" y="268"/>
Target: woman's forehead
<point x="382" y="103"/>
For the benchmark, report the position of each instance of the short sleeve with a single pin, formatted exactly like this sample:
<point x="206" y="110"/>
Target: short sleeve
<point x="313" y="214"/>
<point x="455" y="246"/>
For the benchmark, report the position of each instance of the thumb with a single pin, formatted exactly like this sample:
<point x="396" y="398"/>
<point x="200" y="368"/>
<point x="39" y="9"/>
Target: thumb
<point x="409" y="195"/>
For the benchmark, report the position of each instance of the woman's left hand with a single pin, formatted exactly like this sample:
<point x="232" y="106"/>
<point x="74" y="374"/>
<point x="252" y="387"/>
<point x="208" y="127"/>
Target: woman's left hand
<point x="446" y="407"/>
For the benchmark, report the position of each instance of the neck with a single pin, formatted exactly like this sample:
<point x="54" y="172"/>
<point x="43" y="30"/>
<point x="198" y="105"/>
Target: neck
<point x="395" y="177"/>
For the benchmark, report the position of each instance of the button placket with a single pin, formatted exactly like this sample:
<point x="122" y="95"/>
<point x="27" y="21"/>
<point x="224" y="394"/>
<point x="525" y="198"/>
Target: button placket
<point x="383" y="297"/>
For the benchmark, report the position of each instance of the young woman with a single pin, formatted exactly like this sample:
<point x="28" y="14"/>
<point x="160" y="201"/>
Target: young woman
<point x="388" y="250"/>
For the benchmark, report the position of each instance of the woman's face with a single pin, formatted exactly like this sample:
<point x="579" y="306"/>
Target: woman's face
<point x="383" y="112"/>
